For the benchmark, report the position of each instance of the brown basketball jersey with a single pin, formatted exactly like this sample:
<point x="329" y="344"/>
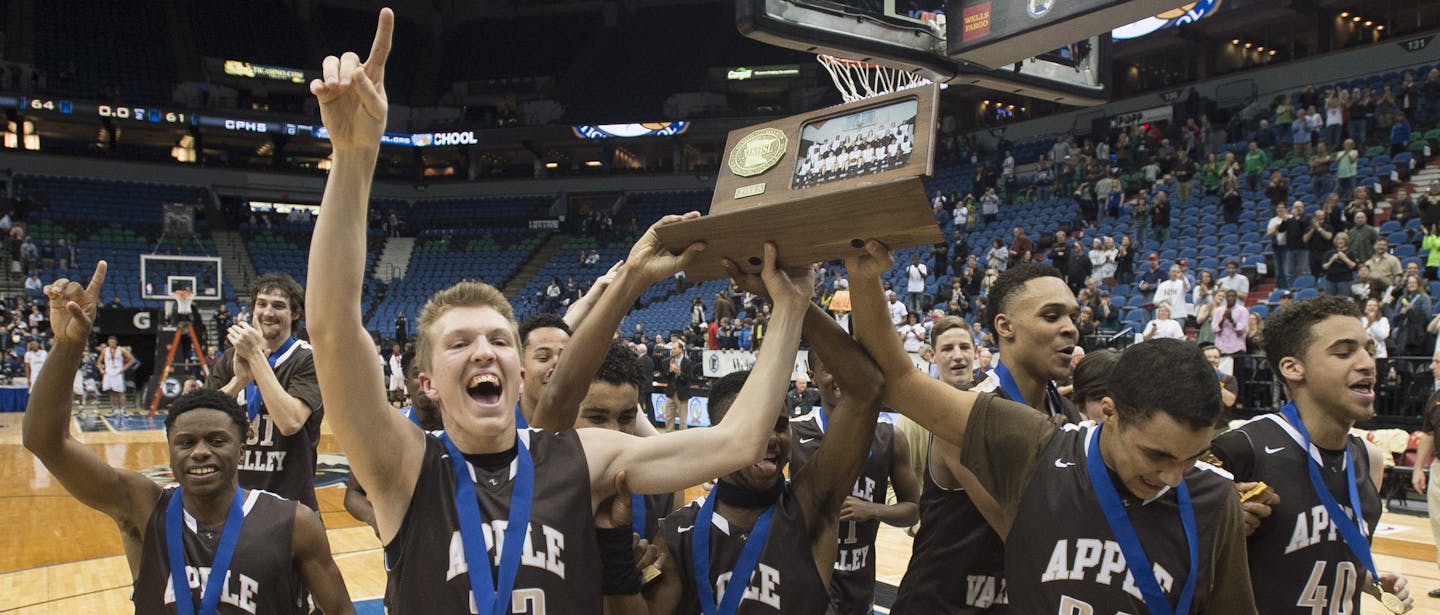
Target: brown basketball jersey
<point x="957" y="563"/>
<point x="657" y="506"/>
<point x="275" y="462"/>
<point x="950" y="540"/>
<point x="852" y="584"/>
<point x="1298" y="561"/>
<point x="1061" y="553"/>
<point x="560" y="563"/>
<point x="262" y="578"/>
<point x="785" y="580"/>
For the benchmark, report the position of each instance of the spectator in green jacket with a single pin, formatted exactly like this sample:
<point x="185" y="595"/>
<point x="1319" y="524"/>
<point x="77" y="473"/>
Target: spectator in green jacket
<point x="1431" y="244"/>
<point x="1345" y="167"/>
<point x="1255" y="161"/>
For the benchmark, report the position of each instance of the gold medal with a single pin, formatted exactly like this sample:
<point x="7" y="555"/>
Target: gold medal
<point x="1391" y="601"/>
<point x="648" y="574"/>
<point x="1252" y="493"/>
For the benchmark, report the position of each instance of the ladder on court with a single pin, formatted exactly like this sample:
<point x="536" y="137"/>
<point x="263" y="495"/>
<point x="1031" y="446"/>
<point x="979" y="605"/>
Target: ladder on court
<point x="184" y="328"/>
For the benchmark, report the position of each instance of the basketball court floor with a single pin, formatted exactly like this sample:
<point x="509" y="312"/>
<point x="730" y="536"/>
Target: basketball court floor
<point x="58" y="557"/>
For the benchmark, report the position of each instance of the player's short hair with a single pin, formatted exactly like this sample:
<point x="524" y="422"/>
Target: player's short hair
<point x="1288" y="331"/>
<point x="209" y="399"/>
<point x="1092" y="376"/>
<point x="284" y="284"/>
<point x="543" y="320"/>
<point x="464" y="294"/>
<point x="621" y="367"/>
<point x="947" y="323"/>
<point x="724" y="392"/>
<point x="1165" y="375"/>
<point x="1009" y="283"/>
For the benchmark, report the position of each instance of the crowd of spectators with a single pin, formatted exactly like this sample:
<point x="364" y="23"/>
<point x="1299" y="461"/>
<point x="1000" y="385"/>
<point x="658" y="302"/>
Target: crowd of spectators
<point x="1148" y="174"/>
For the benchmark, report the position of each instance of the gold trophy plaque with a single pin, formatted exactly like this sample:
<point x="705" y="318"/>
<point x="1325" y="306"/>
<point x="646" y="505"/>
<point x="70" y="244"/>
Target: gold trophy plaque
<point x="818" y="185"/>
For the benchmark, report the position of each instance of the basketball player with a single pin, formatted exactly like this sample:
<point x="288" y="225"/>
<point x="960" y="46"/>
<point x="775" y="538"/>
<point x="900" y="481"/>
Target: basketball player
<point x="272" y="374"/>
<point x="612" y="402"/>
<point x="780" y="537"/>
<point x="112" y="363"/>
<point x="396" y="364"/>
<point x="1030" y="309"/>
<point x="35" y="356"/>
<point x="1313" y="553"/>
<point x="239" y="551"/>
<point x="470" y="366"/>
<point x="542" y="338"/>
<point x="852" y="584"/>
<point x="1143" y="469"/>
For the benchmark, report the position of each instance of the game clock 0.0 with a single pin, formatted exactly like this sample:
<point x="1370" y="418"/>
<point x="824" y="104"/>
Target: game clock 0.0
<point x="119" y="112"/>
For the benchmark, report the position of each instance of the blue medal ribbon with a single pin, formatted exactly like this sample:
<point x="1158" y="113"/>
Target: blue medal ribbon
<point x="1349" y="527"/>
<point x="1140" y="568"/>
<point x="744" y="567"/>
<point x="1007" y="383"/>
<point x="252" y="390"/>
<point x="219" y="568"/>
<point x="520" y="422"/>
<point x="492" y="596"/>
<point x="638" y="520"/>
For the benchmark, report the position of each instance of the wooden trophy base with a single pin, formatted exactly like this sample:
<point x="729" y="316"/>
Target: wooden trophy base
<point x="808" y="230"/>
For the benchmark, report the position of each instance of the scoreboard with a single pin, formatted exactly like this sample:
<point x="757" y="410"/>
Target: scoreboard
<point x="136" y="113"/>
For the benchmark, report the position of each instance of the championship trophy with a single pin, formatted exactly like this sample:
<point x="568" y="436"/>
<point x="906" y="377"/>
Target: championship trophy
<point x="818" y="185"/>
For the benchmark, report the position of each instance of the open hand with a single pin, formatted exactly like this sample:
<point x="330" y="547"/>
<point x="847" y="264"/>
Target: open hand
<point x="247" y="340"/>
<point x="72" y="308"/>
<point x="652" y="261"/>
<point x="352" y="97"/>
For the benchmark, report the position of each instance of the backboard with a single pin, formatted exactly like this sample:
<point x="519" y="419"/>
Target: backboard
<point x="163" y="274"/>
<point x="1063" y="55"/>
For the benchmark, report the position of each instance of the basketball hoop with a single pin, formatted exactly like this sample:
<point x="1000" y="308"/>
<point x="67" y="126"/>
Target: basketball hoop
<point x="857" y="80"/>
<point x="183" y="300"/>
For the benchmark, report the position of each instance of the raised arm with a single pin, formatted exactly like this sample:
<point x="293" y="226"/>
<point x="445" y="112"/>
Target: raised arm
<point x="682" y="459"/>
<point x="647" y="263"/>
<point x="383" y="449"/>
<point x="581" y="308"/>
<point x="123" y="495"/>
<point x="936" y="406"/>
<point x="821" y="486"/>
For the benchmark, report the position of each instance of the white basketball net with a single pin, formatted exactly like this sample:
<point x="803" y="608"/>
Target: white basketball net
<point x="858" y="80"/>
<point x="183" y="300"/>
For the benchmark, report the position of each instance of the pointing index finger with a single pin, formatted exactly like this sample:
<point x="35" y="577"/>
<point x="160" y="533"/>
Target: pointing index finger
<point x="380" y="49"/>
<point x="97" y="280"/>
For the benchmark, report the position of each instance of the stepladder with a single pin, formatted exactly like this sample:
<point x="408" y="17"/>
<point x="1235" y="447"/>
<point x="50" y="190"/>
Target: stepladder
<point x="183" y="330"/>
